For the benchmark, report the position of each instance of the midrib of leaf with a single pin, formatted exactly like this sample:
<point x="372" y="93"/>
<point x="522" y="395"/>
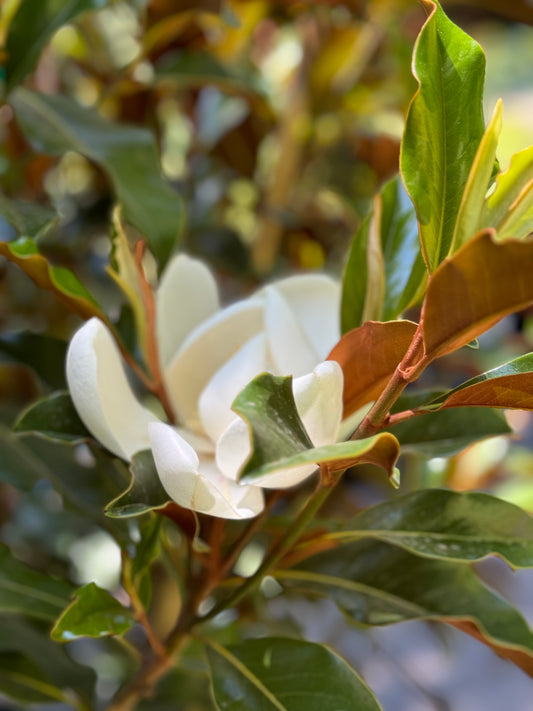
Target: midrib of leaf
<point x="352" y="586"/>
<point x="233" y="660"/>
<point x="444" y="151"/>
<point x="12" y="586"/>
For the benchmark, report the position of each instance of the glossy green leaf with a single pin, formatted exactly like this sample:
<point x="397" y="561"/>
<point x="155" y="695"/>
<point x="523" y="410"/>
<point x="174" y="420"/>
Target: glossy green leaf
<point x="281" y="674"/>
<point x="127" y="153"/>
<point x="446" y="524"/>
<point x="509" y="385"/>
<point x="510" y="207"/>
<point x="54" y="416"/>
<point x="280" y="440"/>
<point x="33" y="668"/>
<point x="19" y="467"/>
<point x="145" y="492"/>
<point x="92" y="613"/>
<point x="44" y="354"/>
<point x="475" y="288"/>
<point x="378" y="584"/>
<point x="24" y="590"/>
<point x="60" y="281"/>
<point x="148" y="547"/>
<point x="29" y="218"/>
<point x="30" y="31"/>
<point x="469" y="218"/>
<point x="446" y="432"/>
<point x="443" y="129"/>
<point x="385" y="268"/>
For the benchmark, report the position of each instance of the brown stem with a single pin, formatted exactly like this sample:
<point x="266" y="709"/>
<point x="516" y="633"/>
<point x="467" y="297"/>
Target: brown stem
<point x="152" y="355"/>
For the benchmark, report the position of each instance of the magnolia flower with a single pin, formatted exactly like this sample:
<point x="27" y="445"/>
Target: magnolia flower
<point x="207" y="356"/>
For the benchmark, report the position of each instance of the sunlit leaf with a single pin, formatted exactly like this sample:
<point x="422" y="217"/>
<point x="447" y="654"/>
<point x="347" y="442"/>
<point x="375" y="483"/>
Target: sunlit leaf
<point x="279" y="674"/>
<point x="44" y="354"/>
<point x="281" y="442"/>
<point x="446" y="432"/>
<point x="356" y="277"/>
<point x="127" y="153"/>
<point x="472" y="290"/>
<point x="469" y="220"/>
<point x="92" y="613"/>
<point x="509" y="385"/>
<point x="30" y="31"/>
<point x="368" y="356"/>
<point x="443" y="129"/>
<point x="55" y="417"/>
<point x="378" y="584"/>
<point x="145" y="491"/>
<point x="24" y="590"/>
<point x="59" y="280"/>
<point x="445" y="524"/>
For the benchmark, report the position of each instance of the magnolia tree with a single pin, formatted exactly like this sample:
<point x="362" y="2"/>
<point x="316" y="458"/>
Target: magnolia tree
<point x="219" y="427"/>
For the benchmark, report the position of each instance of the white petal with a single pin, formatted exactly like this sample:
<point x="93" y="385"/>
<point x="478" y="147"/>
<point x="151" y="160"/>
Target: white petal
<point x="186" y="296"/>
<point x="234" y="448"/>
<point x="218" y="395"/>
<point x="196" y="485"/>
<point x="318" y="398"/>
<point x="315" y="302"/>
<point x="101" y="393"/>
<point x="206" y="349"/>
<point x="285" y="478"/>
<point x="291" y="350"/>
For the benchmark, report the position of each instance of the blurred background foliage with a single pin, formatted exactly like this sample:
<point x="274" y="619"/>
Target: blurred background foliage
<point x="277" y="121"/>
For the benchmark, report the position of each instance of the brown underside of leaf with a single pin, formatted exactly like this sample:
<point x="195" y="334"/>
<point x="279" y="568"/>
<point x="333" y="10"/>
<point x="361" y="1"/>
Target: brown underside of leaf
<point x="475" y="288"/>
<point x="517" y="656"/>
<point x="368" y="356"/>
<point x="509" y="391"/>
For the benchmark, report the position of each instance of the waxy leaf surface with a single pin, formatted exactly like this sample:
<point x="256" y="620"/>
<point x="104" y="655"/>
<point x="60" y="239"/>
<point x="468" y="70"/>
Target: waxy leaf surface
<point x="448" y="525"/>
<point x="145" y="491"/>
<point x="443" y="129"/>
<point x="475" y="288"/>
<point x="279" y="674"/>
<point x="378" y="584"/>
<point x="92" y="613"/>
<point x="368" y="356"/>
<point x="128" y="155"/>
<point x="55" y="417"/>
<point x="446" y="432"/>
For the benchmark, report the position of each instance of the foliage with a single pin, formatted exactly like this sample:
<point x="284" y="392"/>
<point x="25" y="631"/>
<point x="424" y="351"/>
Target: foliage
<point x="196" y="114"/>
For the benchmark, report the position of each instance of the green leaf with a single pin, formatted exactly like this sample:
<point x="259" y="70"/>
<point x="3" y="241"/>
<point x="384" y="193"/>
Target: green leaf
<point x="148" y="547"/>
<point x="469" y="218"/>
<point x="32" y="27"/>
<point x="460" y="306"/>
<point x="378" y="584"/>
<point x="19" y="467"/>
<point x="25" y="591"/>
<point x="28" y="218"/>
<point x="60" y="281"/>
<point x="446" y="432"/>
<point x="443" y="129"/>
<point x="145" y="492"/>
<point x="385" y="268"/>
<point x="54" y="416"/>
<point x="446" y="524"/>
<point x="509" y="210"/>
<point x="127" y="153"/>
<point x="92" y="613"/>
<point x="280" y="674"/>
<point x="509" y="385"/>
<point x="281" y="442"/>
<point x="33" y="668"/>
<point x="44" y="354"/>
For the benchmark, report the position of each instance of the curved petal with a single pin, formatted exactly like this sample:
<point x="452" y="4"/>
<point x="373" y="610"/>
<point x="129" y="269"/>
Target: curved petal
<point x="186" y="296"/>
<point x="318" y="398"/>
<point x="315" y="302"/>
<point x="206" y="491"/>
<point x="205" y="350"/>
<point x="291" y="350"/>
<point x="220" y="392"/>
<point x="101" y="393"/>
<point x="233" y="448"/>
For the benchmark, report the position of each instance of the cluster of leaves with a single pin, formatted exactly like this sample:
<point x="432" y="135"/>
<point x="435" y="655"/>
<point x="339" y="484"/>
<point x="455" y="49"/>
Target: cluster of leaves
<point x="451" y="248"/>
